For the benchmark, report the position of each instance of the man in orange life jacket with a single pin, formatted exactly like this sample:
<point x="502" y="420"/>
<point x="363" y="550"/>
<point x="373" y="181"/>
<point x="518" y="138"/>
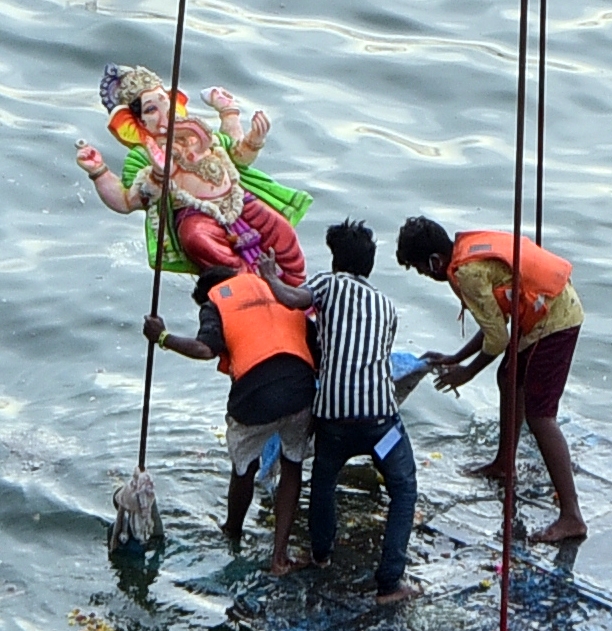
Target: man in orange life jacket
<point x="478" y="266"/>
<point x="263" y="347"/>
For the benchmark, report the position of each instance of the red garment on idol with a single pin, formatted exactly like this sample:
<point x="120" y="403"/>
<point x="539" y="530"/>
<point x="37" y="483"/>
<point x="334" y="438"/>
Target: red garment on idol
<point x="205" y="242"/>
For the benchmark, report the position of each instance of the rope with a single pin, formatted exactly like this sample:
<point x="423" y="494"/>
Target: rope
<point x="163" y="213"/>
<point x="541" y="89"/>
<point x="511" y="424"/>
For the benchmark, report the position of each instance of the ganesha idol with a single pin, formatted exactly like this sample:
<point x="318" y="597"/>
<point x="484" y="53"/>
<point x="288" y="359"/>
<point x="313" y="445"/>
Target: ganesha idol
<point x="222" y="210"/>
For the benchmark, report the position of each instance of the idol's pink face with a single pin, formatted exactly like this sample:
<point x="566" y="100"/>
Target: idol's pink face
<point x="154" y="113"/>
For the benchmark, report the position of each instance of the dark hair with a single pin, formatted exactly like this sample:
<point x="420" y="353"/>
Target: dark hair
<point x="136" y="108"/>
<point x="419" y="238"/>
<point x="208" y="279"/>
<point x="353" y="247"/>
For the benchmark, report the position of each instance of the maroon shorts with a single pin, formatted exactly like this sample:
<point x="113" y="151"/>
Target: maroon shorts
<point x="542" y="371"/>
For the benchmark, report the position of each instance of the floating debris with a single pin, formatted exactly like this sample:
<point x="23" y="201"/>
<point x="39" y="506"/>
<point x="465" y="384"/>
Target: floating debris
<point x="90" y="621"/>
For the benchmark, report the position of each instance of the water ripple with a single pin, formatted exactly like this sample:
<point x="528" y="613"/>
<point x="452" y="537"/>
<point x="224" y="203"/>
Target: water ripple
<point x="379" y="111"/>
<point x="377" y="43"/>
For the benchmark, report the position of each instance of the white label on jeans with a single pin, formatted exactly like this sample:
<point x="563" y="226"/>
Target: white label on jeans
<point x="387" y="442"/>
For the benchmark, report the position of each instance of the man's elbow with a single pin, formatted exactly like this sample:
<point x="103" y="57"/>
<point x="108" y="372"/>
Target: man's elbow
<point x="300" y="299"/>
<point x="199" y="350"/>
<point x="493" y="349"/>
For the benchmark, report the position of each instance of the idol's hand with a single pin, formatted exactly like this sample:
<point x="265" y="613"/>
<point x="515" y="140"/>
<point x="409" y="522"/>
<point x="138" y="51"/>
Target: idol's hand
<point x="88" y="157"/>
<point x="260" y="126"/>
<point x="157" y="156"/>
<point x="218" y="98"/>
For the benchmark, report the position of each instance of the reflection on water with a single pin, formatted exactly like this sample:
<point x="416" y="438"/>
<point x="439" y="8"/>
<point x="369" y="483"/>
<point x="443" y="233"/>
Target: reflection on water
<point x="136" y="572"/>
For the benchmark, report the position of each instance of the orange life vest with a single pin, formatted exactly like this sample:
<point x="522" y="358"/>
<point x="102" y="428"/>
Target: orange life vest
<point x="255" y="325"/>
<point x="542" y="274"/>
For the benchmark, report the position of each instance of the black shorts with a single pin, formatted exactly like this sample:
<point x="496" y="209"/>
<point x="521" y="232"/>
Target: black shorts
<point x="542" y="371"/>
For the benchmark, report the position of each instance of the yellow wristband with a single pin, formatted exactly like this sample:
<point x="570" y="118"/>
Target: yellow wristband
<point x="162" y="338"/>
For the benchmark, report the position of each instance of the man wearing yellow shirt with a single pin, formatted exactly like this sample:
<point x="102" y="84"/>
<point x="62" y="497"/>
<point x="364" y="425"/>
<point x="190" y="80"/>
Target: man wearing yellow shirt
<point x="478" y="266"/>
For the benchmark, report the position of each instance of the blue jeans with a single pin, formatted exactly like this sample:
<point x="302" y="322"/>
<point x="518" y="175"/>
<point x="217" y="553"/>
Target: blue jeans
<point x="335" y="443"/>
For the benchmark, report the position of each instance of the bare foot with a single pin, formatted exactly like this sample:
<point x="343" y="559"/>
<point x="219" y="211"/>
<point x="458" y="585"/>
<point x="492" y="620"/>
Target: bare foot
<point x="563" y="528"/>
<point x="321" y="564"/>
<point x="492" y="470"/>
<point x="232" y="536"/>
<point x="403" y="592"/>
<point x="288" y="566"/>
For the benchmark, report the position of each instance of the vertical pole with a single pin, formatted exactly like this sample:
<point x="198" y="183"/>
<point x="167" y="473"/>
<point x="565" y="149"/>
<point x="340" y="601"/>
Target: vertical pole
<point x="541" y="112"/>
<point x="511" y="425"/>
<point x="160" y="233"/>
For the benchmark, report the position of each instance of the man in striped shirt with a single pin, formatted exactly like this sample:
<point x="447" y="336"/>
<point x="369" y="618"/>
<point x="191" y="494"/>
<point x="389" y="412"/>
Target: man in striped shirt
<point x="355" y="408"/>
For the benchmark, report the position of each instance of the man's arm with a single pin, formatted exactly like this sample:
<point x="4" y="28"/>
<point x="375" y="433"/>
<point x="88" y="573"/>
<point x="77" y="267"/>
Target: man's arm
<point x="476" y="286"/>
<point x="475" y="292"/>
<point x="155" y="331"/>
<point x="471" y="348"/>
<point x="451" y="377"/>
<point x="291" y="297"/>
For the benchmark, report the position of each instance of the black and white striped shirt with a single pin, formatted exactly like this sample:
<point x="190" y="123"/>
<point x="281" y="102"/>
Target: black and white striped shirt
<point x="356" y="325"/>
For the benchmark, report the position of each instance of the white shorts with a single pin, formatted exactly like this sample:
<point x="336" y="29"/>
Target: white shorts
<point x="246" y="442"/>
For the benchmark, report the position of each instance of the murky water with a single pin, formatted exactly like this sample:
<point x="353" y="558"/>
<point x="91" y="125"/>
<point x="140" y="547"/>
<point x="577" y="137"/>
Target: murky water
<point x="379" y="110"/>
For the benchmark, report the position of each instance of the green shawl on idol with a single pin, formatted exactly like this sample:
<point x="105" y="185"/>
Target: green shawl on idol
<point x="291" y="203"/>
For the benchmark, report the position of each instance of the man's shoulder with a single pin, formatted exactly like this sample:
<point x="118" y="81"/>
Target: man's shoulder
<point x="482" y="271"/>
<point x="323" y="279"/>
<point x="319" y="275"/>
<point x="318" y="279"/>
<point x="239" y="284"/>
<point x="208" y="312"/>
<point x="368" y="286"/>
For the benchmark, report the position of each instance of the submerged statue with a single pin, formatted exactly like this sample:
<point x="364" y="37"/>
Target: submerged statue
<point x="222" y="210"/>
<point x="137" y="514"/>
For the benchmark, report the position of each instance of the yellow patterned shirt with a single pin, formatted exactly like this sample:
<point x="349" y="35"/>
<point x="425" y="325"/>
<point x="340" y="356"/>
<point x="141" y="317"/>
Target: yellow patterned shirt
<point x="476" y="282"/>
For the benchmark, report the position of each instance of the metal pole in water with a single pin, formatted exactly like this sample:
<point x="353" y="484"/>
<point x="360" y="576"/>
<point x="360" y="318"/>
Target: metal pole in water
<point x="163" y="213"/>
<point x="511" y="425"/>
<point x="541" y="112"/>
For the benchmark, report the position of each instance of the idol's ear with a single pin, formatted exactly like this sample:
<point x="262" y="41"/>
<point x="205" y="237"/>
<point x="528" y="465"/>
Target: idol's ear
<point x="181" y="103"/>
<point x="126" y="128"/>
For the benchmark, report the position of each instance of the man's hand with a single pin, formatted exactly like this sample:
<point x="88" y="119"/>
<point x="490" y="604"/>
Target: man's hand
<point x="153" y="327"/>
<point x="439" y="359"/>
<point x="291" y="297"/>
<point x="267" y="265"/>
<point x="451" y="377"/>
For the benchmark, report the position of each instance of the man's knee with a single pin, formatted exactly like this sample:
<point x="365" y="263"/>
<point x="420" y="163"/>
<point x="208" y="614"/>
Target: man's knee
<point x="541" y="425"/>
<point x="400" y="476"/>
<point x="325" y="471"/>
<point x="289" y="466"/>
<point x="402" y="487"/>
<point x="250" y="472"/>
